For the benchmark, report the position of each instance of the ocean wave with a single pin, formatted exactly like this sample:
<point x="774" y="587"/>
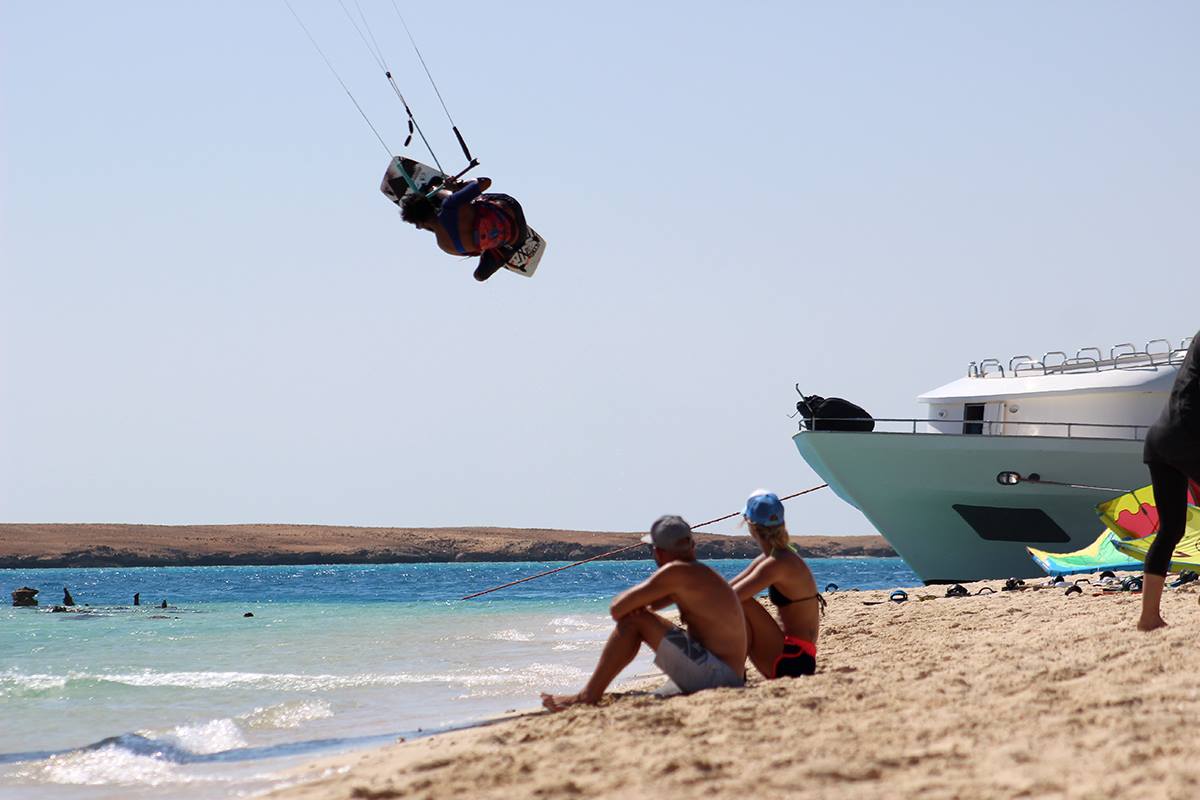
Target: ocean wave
<point x="576" y="624"/>
<point x="511" y="635"/>
<point x="16" y="684"/>
<point x="127" y="760"/>
<point x="22" y="685"/>
<point x="204" y="738"/>
<point x="535" y="677"/>
<point x="287" y="715"/>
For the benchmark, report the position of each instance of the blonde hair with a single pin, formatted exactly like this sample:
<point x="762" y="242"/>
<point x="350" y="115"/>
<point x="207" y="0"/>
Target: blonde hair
<point x="776" y="536"/>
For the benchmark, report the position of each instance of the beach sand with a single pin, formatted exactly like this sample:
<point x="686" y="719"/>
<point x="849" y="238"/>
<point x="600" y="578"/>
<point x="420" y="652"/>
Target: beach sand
<point x="1013" y="694"/>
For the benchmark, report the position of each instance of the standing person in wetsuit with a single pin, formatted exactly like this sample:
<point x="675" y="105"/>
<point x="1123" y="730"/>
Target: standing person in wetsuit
<point x="792" y="650"/>
<point x="1172" y="453"/>
<point x="468" y="222"/>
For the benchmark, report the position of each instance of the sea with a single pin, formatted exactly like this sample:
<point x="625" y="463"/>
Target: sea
<point x="252" y="671"/>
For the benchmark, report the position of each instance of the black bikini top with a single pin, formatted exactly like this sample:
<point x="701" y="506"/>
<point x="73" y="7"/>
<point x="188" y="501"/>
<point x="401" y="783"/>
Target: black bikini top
<point x="779" y="599"/>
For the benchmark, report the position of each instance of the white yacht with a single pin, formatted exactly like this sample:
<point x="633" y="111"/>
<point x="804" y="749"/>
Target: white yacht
<point x="930" y="485"/>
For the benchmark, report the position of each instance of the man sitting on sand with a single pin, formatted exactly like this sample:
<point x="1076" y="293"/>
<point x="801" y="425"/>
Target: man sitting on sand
<point x="711" y="652"/>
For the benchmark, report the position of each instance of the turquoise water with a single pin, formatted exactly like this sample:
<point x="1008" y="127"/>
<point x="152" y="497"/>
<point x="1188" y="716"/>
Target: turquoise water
<point x="198" y="700"/>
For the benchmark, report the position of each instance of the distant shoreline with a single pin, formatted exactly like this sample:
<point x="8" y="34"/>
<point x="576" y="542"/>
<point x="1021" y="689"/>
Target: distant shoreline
<point x="65" y="545"/>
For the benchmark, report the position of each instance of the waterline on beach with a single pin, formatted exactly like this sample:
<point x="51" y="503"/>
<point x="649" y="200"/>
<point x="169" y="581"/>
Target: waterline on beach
<point x="201" y="699"/>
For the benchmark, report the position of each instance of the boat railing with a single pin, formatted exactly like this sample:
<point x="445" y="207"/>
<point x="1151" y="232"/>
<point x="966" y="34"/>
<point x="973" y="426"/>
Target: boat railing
<point x="1154" y="354"/>
<point x="1067" y="430"/>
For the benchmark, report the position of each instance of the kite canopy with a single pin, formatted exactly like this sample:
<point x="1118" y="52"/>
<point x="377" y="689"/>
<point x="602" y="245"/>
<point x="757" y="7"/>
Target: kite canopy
<point x="1186" y="554"/>
<point x="1132" y="521"/>
<point x="1131" y="515"/>
<point x="1134" y="515"/>
<point x="1099" y="555"/>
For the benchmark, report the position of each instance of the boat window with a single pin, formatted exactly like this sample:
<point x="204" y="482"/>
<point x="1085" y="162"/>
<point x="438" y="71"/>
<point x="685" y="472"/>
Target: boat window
<point x="971" y="412"/>
<point x="1028" y="525"/>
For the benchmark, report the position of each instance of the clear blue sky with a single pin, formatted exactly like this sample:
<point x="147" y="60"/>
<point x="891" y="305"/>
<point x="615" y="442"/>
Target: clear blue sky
<point x="208" y="312"/>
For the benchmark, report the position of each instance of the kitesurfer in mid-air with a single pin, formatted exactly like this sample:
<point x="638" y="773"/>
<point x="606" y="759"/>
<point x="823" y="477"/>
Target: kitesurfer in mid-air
<point x="468" y="222"/>
<point x="1172" y="453"/>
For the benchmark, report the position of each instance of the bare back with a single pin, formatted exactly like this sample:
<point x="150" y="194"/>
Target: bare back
<point x="793" y="577"/>
<point x="709" y="608"/>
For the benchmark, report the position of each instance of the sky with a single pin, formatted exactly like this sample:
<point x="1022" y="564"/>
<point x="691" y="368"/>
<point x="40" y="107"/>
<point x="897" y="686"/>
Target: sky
<point x="210" y="314"/>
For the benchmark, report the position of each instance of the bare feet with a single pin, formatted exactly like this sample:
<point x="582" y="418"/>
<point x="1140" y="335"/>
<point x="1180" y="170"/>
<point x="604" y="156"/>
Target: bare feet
<point x="559" y="702"/>
<point x="563" y="702"/>
<point x="1151" y="624"/>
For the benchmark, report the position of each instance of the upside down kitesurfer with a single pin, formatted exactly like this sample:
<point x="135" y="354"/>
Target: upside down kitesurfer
<point x="1172" y="453"/>
<point x="468" y="222"/>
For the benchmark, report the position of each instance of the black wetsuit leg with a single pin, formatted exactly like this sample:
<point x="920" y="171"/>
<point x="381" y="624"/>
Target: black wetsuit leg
<point x="1170" y="499"/>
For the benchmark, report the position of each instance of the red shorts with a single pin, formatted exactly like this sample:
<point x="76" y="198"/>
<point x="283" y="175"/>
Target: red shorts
<point x="799" y="657"/>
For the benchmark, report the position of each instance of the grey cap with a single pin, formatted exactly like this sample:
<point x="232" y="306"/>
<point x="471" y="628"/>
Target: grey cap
<point x="668" y="532"/>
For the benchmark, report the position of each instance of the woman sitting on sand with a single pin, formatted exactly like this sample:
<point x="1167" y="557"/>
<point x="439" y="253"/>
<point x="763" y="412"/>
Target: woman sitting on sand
<point x="792" y="650"/>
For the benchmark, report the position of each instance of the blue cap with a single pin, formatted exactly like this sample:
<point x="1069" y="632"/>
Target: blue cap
<point x="763" y="508"/>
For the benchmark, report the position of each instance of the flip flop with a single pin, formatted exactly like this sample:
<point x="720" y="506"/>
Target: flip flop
<point x="957" y="590"/>
<point x="898" y="596"/>
<point x="983" y="589"/>
<point x="1074" y="588"/>
<point x="1013" y="585"/>
<point x="1185" y="577"/>
<point x="831" y="587"/>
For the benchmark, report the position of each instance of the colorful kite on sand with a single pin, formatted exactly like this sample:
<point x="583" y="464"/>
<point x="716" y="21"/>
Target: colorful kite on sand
<point x="1132" y="519"/>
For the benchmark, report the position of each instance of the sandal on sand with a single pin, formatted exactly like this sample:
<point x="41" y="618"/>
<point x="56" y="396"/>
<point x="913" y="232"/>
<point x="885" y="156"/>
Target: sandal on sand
<point x="831" y="587"/>
<point x="1187" y="576"/>
<point x="1074" y="588"/>
<point x="1013" y="584"/>
<point x="1130" y="584"/>
<point x="983" y="589"/>
<point x="957" y="590"/>
<point x="898" y="596"/>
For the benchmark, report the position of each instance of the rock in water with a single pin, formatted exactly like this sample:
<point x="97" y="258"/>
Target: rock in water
<point x="25" y="596"/>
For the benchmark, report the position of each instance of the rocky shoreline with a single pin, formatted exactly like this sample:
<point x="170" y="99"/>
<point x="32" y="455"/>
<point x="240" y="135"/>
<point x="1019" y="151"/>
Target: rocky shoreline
<point x="39" y="546"/>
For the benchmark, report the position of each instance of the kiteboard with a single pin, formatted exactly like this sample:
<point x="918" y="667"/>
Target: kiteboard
<point x="404" y="176"/>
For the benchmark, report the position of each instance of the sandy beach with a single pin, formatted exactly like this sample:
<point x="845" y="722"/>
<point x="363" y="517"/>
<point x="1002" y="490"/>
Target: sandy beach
<point x="1013" y="694"/>
<point x="109" y="545"/>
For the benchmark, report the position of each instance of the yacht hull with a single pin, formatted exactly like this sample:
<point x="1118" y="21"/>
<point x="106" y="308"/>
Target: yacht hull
<point x="935" y="498"/>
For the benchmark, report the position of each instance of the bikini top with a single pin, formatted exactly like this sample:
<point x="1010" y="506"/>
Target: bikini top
<point x="779" y="599"/>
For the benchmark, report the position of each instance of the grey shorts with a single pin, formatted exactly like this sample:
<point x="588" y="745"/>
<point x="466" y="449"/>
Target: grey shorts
<point x="689" y="664"/>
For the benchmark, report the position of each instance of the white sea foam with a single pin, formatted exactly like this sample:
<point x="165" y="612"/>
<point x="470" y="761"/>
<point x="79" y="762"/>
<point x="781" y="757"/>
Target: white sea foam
<point x="531" y="678"/>
<point x="13" y="683"/>
<point x="286" y="682"/>
<point x="214" y="736"/>
<point x="578" y="624"/>
<point x="287" y="715"/>
<point x="111" y="765"/>
<point x="511" y="635"/>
